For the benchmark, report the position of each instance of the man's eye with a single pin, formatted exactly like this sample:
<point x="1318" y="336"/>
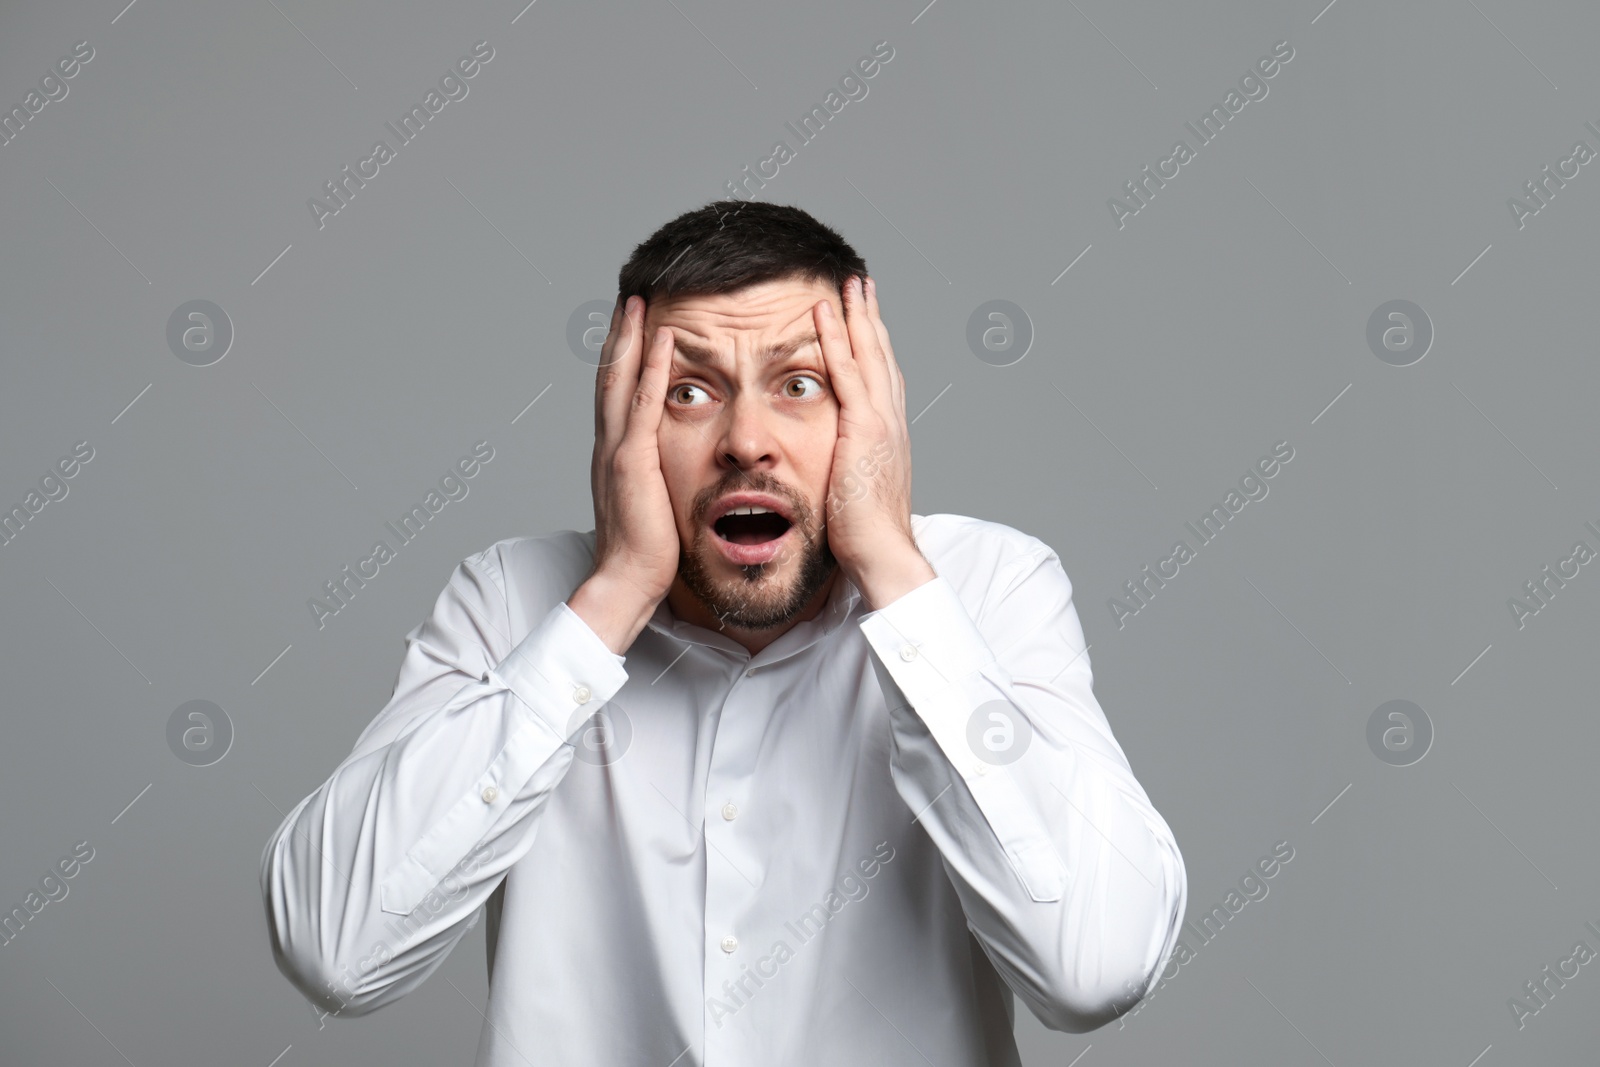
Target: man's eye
<point x="800" y="378"/>
<point x="678" y="392"/>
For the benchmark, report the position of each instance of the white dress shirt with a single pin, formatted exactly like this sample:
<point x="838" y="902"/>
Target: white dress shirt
<point x="851" y="847"/>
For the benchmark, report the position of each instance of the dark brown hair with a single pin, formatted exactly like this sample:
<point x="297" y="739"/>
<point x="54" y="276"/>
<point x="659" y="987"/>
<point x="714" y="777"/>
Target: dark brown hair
<point x="730" y="244"/>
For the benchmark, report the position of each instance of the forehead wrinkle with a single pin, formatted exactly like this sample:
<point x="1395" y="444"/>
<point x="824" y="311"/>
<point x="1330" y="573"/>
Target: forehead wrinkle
<point x="736" y="320"/>
<point x="692" y="352"/>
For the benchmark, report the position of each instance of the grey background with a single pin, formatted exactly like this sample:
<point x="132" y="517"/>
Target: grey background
<point x="1225" y="317"/>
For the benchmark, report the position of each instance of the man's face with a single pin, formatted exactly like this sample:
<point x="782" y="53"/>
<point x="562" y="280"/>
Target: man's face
<point x="736" y="421"/>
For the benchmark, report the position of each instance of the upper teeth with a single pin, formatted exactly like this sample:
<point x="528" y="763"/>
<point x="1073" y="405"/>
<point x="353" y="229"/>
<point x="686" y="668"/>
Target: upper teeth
<point x="752" y="510"/>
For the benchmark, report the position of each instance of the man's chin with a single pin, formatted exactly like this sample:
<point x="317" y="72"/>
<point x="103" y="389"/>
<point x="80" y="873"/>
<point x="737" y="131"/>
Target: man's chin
<point x="756" y="597"/>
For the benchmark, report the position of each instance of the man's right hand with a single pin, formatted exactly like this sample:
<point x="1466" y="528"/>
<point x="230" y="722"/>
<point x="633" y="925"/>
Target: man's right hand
<point x="636" y="536"/>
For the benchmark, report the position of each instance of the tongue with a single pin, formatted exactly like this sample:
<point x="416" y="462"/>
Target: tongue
<point x="751" y="529"/>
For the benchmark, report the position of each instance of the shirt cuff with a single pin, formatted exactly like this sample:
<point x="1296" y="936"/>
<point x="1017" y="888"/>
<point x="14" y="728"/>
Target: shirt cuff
<point x="560" y="667"/>
<point x="930" y="646"/>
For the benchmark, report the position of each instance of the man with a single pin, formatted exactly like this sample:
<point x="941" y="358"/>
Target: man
<point x="764" y="769"/>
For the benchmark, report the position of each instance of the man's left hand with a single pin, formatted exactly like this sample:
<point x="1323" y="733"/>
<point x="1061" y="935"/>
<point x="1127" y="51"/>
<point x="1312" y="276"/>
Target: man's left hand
<point x="868" y="507"/>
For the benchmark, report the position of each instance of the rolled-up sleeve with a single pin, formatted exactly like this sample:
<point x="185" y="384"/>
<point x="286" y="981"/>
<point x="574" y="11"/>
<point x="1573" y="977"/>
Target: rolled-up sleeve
<point x="371" y="880"/>
<point x="1070" y="879"/>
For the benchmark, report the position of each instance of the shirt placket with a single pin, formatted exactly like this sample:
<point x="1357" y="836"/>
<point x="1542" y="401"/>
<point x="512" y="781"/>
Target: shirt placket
<point x="733" y="871"/>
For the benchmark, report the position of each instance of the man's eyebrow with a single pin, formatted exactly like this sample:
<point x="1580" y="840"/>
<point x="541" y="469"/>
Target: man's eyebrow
<point x="694" y="353"/>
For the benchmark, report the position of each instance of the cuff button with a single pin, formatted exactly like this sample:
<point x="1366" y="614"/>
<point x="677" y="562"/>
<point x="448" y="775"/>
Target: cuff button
<point x="489" y="793"/>
<point x="581" y="694"/>
<point x="908" y="652"/>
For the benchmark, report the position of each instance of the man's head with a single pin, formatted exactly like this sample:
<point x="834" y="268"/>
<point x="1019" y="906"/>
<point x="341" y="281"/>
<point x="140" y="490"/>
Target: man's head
<point x="749" y="406"/>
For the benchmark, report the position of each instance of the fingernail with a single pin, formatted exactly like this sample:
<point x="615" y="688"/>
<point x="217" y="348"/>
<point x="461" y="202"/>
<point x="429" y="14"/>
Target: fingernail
<point x="872" y="287"/>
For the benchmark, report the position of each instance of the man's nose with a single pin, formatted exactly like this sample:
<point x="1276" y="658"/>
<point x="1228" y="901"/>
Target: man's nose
<point x="747" y="440"/>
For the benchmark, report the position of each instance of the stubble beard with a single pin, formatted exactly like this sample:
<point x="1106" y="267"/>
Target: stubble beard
<point x="760" y="597"/>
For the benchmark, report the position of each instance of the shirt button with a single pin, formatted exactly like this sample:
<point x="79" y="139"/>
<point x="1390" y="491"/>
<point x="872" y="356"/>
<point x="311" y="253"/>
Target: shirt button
<point x="729" y="811"/>
<point x="489" y="793"/>
<point x="581" y="694"/>
<point x="730" y="943"/>
<point x="983" y="768"/>
<point x="908" y="652"/>
<point x="750" y="672"/>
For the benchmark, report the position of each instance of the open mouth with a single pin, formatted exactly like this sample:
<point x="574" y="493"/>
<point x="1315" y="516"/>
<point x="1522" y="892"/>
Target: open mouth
<point x="751" y="526"/>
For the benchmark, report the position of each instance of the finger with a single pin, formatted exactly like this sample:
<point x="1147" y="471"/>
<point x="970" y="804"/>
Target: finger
<point x="864" y="344"/>
<point x="618" y="314"/>
<point x="620" y="377"/>
<point x="650" y="394"/>
<point x="843" y="371"/>
<point x="606" y="349"/>
<point x="876" y="316"/>
<point x="617" y="310"/>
